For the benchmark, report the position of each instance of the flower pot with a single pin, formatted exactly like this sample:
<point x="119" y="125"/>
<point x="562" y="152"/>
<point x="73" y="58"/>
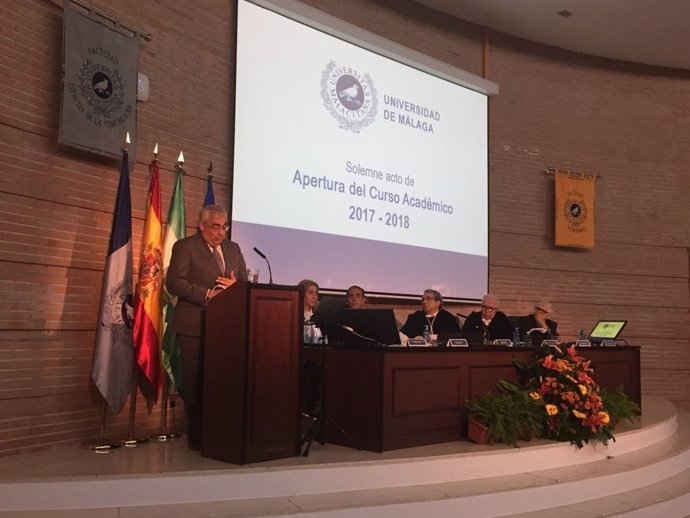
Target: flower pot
<point x="477" y="432"/>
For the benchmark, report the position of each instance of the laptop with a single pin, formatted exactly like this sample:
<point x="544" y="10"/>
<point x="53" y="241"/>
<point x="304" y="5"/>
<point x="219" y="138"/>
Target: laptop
<point x="364" y="327"/>
<point x="606" y="330"/>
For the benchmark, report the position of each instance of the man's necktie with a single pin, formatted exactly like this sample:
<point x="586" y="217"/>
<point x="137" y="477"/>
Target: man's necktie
<point x="219" y="259"/>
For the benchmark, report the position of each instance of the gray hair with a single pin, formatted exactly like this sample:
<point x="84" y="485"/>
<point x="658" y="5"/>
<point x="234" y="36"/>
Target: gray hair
<point x="206" y="211"/>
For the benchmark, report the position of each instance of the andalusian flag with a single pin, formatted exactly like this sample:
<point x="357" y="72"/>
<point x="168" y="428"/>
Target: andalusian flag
<point x="210" y="198"/>
<point x="147" y="304"/>
<point x="112" y="357"/>
<point x="172" y="359"/>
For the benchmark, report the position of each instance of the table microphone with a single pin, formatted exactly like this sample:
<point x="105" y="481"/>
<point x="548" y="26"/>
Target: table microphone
<point x="263" y="256"/>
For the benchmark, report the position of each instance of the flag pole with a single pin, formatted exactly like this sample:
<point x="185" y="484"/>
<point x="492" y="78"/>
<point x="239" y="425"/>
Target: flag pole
<point x="102" y="446"/>
<point x="131" y="441"/>
<point x="163" y="435"/>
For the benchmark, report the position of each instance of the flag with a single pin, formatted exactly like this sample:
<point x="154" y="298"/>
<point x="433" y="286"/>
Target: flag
<point x="147" y="302"/>
<point x="210" y="198"/>
<point x="574" y="210"/>
<point x="175" y="229"/>
<point x="112" y="359"/>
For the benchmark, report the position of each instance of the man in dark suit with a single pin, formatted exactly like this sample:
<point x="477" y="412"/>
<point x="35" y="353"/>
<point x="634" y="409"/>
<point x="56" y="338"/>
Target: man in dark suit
<point x="491" y="322"/>
<point x="201" y="266"/>
<point x="536" y="326"/>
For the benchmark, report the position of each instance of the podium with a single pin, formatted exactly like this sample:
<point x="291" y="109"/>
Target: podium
<point x="251" y="340"/>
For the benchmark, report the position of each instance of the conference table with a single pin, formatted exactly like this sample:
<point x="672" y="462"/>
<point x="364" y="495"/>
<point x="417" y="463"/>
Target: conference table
<point x="386" y="398"/>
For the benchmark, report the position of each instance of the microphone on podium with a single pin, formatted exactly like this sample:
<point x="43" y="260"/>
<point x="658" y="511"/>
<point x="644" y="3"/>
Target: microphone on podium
<point x="263" y="256"/>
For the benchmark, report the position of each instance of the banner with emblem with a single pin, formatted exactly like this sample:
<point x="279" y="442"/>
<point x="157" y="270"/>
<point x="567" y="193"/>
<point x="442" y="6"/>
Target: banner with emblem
<point x="99" y="83"/>
<point x="574" y="210"/>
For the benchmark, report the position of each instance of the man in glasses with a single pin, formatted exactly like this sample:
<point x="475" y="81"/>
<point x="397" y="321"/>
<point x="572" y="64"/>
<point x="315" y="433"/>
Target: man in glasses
<point x="492" y="323"/>
<point x="431" y="316"/>
<point x="201" y="266"/>
<point x="537" y="326"/>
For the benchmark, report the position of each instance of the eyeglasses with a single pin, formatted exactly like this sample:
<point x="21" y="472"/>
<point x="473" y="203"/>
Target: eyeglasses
<point x="216" y="227"/>
<point x="489" y="308"/>
<point x="428" y="297"/>
<point x="542" y="310"/>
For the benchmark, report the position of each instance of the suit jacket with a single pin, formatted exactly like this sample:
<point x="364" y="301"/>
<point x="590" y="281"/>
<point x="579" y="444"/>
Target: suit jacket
<point x="499" y="327"/>
<point x="192" y="272"/>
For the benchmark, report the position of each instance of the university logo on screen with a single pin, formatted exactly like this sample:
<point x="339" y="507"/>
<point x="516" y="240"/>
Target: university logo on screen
<point x="349" y="96"/>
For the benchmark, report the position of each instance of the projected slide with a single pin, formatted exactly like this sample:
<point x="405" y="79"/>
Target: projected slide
<point x="352" y="168"/>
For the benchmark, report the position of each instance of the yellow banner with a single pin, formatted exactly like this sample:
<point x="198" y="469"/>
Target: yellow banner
<point x="574" y="211"/>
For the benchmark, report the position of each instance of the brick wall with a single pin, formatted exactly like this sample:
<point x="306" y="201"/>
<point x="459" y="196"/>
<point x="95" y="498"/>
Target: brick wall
<point x="628" y="123"/>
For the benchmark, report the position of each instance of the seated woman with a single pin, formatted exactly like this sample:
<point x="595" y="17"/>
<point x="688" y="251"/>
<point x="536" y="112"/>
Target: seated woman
<point x="439" y="320"/>
<point x="310" y="291"/>
<point x="536" y="327"/>
<point x="492" y="323"/>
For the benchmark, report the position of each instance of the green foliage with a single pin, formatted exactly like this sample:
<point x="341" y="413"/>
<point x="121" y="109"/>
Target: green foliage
<point x="509" y="415"/>
<point x="619" y="406"/>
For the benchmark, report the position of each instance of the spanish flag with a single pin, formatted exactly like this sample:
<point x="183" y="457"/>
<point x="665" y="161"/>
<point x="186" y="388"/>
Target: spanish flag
<point x="574" y="210"/>
<point x="147" y="303"/>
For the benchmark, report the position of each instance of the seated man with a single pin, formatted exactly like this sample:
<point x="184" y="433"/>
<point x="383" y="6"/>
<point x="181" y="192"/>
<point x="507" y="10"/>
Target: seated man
<point x="356" y="298"/>
<point x="493" y="324"/>
<point x="438" y="320"/>
<point x="536" y="327"/>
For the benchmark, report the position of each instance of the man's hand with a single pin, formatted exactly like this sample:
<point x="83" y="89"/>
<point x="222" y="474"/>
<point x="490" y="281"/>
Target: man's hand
<point x="221" y="284"/>
<point x="225" y="282"/>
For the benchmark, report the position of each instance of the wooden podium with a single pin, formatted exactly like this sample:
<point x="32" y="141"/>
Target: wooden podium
<point x="251" y="340"/>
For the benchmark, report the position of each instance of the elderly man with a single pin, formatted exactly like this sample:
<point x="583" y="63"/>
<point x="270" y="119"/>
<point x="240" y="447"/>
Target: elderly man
<point x="492" y="323"/>
<point x="201" y="266"/>
<point x="536" y="325"/>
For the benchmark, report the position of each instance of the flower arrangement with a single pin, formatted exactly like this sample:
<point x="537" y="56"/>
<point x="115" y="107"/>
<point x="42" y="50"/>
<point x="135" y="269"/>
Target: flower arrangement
<point x="557" y="398"/>
<point x="563" y="382"/>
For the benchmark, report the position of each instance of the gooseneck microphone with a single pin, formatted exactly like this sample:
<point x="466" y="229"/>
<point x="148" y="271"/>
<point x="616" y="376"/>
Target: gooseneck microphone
<point x="263" y="256"/>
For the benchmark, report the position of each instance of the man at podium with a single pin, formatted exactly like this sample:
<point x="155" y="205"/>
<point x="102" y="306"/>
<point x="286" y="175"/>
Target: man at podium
<point x="201" y="266"/>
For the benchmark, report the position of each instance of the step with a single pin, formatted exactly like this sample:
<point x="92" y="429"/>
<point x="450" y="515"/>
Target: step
<point x="333" y="481"/>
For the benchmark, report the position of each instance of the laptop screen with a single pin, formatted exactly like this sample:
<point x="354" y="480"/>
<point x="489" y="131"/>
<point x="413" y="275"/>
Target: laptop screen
<point x="365" y="326"/>
<point x="607" y="329"/>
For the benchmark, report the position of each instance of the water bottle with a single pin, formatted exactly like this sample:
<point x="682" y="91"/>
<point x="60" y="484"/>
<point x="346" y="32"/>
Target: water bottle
<point x="516" y="336"/>
<point x="582" y="336"/>
<point x="426" y="334"/>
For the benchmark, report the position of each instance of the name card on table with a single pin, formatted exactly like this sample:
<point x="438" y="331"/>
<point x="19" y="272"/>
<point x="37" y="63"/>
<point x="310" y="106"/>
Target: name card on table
<point x="549" y="343"/>
<point x="504" y="342"/>
<point x="608" y="343"/>
<point x="417" y="342"/>
<point x="583" y="343"/>
<point x="457" y="342"/>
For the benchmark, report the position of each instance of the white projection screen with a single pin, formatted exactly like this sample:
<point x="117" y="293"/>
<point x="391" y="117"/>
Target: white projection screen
<point x="354" y="164"/>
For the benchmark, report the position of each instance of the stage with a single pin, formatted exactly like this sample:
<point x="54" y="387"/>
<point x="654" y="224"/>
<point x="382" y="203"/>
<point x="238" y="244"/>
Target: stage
<point x="647" y="470"/>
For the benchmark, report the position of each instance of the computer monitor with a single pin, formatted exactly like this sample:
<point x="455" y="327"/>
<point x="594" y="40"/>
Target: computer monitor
<point x="375" y="326"/>
<point x="607" y="330"/>
<point x="328" y="310"/>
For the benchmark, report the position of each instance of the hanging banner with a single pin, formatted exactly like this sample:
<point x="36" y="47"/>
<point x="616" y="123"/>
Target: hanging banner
<point x="574" y="211"/>
<point x="99" y="83"/>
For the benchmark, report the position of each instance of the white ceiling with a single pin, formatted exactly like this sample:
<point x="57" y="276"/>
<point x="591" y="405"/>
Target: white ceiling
<point x="655" y="32"/>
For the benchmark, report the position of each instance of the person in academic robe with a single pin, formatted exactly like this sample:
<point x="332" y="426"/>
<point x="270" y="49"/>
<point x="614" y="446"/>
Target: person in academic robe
<point x="492" y="323"/>
<point x="432" y="315"/>
<point x="537" y="327"/>
<point x="201" y="267"/>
